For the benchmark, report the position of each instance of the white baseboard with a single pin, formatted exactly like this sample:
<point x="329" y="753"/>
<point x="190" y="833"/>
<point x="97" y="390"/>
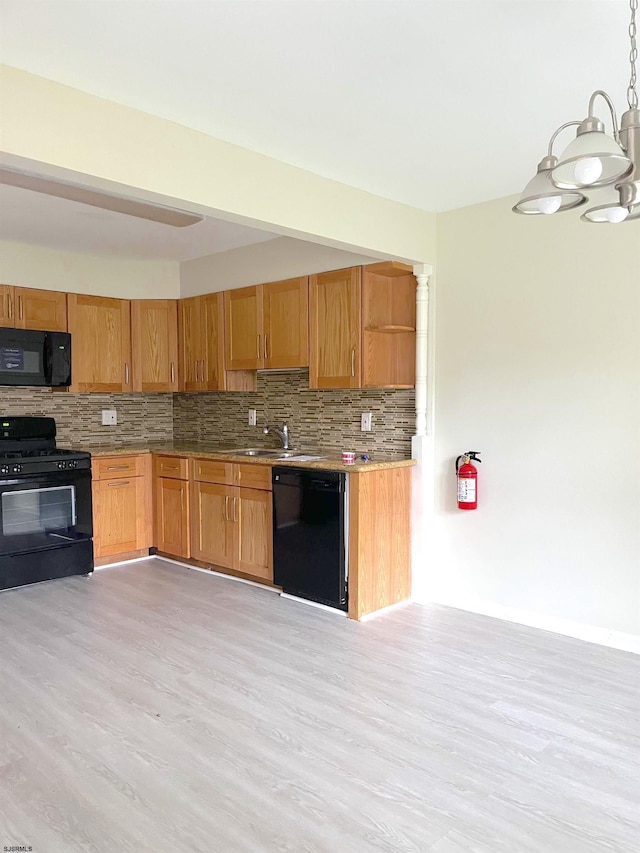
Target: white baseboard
<point x="566" y="627"/>
<point x="123" y="562"/>
<point x="310" y="603"/>
<point x="384" y="610"/>
<point x="213" y="572"/>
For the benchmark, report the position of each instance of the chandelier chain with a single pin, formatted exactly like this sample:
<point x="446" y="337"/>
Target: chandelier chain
<point x="632" y="92"/>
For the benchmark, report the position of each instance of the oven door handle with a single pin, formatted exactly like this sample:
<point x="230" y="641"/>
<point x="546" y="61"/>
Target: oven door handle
<point x="11" y="482"/>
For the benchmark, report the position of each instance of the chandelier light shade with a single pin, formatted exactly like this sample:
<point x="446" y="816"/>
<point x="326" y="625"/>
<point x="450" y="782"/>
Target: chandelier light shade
<point x="594" y="159"/>
<point x="541" y="196"/>
<point x="618" y="205"/>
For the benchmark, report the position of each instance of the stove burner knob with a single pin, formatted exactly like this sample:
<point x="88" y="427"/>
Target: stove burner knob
<point x="4" y="469"/>
<point x="17" y="468"/>
<point x="62" y="464"/>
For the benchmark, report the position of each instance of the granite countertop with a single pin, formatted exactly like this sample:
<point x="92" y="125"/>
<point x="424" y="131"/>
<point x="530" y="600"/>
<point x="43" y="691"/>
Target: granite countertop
<point x="329" y="462"/>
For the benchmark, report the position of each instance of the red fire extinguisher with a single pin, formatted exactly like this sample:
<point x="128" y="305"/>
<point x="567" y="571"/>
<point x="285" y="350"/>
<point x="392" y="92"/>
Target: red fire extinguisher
<point x="467" y="475"/>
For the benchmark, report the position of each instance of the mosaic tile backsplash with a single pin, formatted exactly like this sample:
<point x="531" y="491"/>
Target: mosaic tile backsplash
<point x="326" y="419"/>
<point x="323" y="419"/>
<point x="141" y="417"/>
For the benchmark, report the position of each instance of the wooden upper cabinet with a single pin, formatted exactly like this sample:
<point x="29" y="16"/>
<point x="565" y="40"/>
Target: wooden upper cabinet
<point x="154" y="344"/>
<point x="201" y="343"/>
<point x="286" y="323"/>
<point x="191" y="344"/>
<point x="389" y="326"/>
<point x="335" y="329"/>
<point x="100" y="344"/>
<point x="243" y="328"/>
<point x="30" y="308"/>
<point x="6" y="315"/>
<point x="213" y="318"/>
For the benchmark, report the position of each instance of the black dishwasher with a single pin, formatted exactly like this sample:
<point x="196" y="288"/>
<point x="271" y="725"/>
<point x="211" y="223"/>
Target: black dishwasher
<point x="309" y="558"/>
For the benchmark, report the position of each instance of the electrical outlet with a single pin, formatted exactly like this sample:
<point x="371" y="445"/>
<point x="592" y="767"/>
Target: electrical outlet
<point x="366" y="422"/>
<point x="109" y="417"/>
<point x="253" y="417"/>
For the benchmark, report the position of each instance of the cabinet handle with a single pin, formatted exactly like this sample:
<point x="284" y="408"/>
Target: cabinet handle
<point x="173" y="374"/>
<point x="353" y="361"/>
<point x="126" y="373"/>
<point x="195" y="368"/>
<point x="20" y="308"/>
<point x="120" y="483"/>
<point x="9" y="307"/>
<point x="266" y="350"/>
<point x="235" y="516"/>
<point x="182" y="499"/>
<point x="226" y="508"/>
<point x="118" y="467"/>
<point x="259" y="351"/>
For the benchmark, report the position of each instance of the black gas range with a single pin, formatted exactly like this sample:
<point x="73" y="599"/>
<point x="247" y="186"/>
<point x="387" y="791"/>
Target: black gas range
<point x="45" y="505"/>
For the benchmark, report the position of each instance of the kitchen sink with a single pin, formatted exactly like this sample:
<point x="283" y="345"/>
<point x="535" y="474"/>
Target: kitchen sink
<point x="259" y="451"/>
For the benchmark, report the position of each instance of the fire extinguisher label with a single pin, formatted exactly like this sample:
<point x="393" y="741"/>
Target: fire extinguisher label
<point x="466" y="490"/>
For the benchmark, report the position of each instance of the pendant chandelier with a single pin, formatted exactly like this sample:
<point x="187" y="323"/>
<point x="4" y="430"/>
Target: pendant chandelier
<point x="594" y="159"/>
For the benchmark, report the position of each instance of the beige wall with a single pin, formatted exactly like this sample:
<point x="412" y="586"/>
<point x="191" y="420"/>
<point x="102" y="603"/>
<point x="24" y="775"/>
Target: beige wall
<point x="57" y="130"/>
<point x="275" y="260"/>
<point x="54" y="269"/>
<point x="537" y="324"/>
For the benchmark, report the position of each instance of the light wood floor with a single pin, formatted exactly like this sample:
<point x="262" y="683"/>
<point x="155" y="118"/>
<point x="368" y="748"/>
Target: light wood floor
<point x="154" y="708"/>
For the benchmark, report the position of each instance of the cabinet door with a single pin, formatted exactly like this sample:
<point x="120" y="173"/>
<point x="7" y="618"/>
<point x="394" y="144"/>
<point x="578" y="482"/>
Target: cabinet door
<point x="211" y="525"/>
<point x="286" y="323"/>
<point x="252" y="517"/>
<point x="40" y="309"/>
<point x="172" y="516"/>
<point x="7" y="311"/>
<point x="212" y="308"/>
<point x="191" y="344"/>
<point x="154" y="341"/>
<point x="119" y="516"/>
<point x="335" y="329"/>
<point x="101" y="343"/>
<point x="243" y="328"/>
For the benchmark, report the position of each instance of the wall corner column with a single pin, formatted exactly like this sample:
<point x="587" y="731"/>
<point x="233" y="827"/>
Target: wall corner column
<point x="422" y="273"/>
<point x="422" y="445"/>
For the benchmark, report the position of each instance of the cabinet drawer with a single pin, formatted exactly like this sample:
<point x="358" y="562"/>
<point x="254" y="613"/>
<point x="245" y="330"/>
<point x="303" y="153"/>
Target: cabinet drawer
<point x="212" y="471"/>
<point x="254" y="476"/>
<point x="174" y="467"/>
<point x="114" y="467"/>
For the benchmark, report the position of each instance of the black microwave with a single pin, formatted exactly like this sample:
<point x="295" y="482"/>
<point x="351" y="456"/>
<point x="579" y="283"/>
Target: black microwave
<point x="29" y="357"/>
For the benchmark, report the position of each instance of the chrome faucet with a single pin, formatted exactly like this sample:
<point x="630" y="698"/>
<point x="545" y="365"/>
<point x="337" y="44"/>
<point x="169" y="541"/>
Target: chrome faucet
<point x="281" y="431"/>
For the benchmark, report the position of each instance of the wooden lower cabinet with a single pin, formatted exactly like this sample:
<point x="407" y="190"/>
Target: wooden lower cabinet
<point x="379" y="540"/>
<point x="172" y="516"/>
<point x="231" y="517"/>
<point x="253" y="533"/>
<point x="212" y="539"/>
<point x="220" y="514"/>
<point x="121" y="506"/>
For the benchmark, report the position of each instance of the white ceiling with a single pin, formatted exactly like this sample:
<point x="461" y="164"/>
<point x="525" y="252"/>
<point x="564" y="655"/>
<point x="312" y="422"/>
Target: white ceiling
<point x="436" y="104"/>
<point x="35" y="218"/>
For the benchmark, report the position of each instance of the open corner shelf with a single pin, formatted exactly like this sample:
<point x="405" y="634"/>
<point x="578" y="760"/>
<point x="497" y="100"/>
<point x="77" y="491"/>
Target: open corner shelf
<point x="390" y="330"/>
